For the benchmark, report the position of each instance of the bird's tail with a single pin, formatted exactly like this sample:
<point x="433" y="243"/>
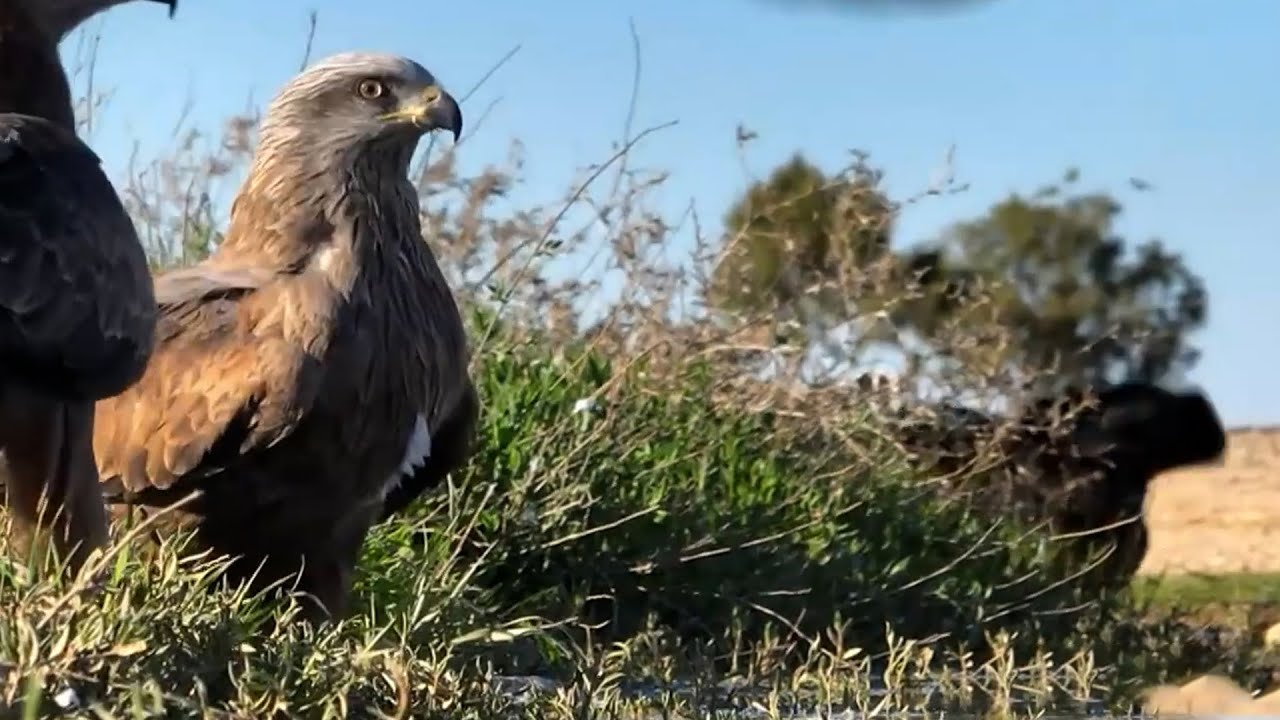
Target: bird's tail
<point x="49" y="476"/>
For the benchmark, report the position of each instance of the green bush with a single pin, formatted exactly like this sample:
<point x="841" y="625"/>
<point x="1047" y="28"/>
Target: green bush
<point x="602" y="510"/>
<point x="712" y="521"/>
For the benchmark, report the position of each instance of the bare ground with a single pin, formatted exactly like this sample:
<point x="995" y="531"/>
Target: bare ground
<point x="1219" y="518"/>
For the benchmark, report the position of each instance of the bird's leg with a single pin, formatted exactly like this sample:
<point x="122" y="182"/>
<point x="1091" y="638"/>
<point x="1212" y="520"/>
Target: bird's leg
<point x="327" y="577"/>
<point x="52" y="485"/>
<point x="321" y="575"/>
<point x="326" y="592"/>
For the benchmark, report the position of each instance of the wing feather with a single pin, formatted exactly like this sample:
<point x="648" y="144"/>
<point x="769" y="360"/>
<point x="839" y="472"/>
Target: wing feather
<point x="77" y="307"/>
<point x="451" y="448"/>
<point x="216" y="387"/>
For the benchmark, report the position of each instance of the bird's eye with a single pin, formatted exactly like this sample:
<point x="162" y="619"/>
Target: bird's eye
<point x="371" y="89"/>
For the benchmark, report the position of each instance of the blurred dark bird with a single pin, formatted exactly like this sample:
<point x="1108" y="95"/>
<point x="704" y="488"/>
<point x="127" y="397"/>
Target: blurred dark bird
<point x="1082" y="461"/>
<point x="77" y="311"/>
<point x="310" y="377"/>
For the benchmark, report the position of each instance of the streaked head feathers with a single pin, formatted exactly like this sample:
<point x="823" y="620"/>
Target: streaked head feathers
<point x="362" y="98"/>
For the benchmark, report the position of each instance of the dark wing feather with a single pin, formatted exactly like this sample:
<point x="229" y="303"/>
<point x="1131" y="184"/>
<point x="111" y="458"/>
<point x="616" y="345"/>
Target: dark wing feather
<point x="451" y="446"/>
<point x="219" y="384"/>
<point x="77" y="309"/>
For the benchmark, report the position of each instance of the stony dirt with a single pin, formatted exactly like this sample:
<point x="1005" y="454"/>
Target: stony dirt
<point x="1219" y="518"/>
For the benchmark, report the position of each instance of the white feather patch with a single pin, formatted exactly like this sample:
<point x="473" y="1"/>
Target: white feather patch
<point x="325" y="259"/>
<point x="416" y="452"/>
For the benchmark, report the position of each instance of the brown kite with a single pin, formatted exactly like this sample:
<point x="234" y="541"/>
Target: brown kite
<point x="77" y="311"/>
<point x="311" y="375"/>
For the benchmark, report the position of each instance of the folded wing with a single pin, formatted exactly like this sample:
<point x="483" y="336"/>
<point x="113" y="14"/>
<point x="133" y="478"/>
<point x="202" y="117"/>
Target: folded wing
<point x="217" y="386"/>
<point x="77" y="308"/>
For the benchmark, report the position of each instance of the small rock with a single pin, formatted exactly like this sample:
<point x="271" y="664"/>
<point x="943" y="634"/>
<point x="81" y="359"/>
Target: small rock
<point x="1204" y="696"/>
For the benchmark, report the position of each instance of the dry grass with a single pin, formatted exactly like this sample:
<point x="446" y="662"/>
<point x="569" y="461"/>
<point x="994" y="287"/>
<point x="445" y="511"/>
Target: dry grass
<point x="1219" y="518"/>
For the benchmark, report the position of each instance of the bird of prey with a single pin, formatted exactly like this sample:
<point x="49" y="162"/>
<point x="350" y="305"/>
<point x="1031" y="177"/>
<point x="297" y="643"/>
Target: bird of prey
<point x="77" y="310"/>
<point x="310" y="377"/>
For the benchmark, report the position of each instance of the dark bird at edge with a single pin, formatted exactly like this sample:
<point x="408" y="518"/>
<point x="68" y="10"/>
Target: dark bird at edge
<point x="77" y="309"/>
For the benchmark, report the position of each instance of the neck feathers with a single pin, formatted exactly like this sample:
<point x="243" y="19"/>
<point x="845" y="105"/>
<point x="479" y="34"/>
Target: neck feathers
<point x="327" y="214"/>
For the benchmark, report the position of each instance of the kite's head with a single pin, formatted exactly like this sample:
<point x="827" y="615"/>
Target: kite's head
<point x="60" y="17"/>
<point x="355" y="103"/>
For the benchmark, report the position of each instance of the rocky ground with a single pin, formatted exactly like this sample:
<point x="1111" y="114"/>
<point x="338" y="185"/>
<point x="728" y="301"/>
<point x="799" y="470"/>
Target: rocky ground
<point x="1219" y="519"/>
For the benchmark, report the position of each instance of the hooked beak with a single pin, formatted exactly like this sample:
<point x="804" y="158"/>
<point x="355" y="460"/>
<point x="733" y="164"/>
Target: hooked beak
<point x="173" y="6"/>
<point x="432" y="109"/>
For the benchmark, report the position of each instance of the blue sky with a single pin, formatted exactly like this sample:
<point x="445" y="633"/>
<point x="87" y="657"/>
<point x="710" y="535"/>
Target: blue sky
<point x="1181" y="93"/>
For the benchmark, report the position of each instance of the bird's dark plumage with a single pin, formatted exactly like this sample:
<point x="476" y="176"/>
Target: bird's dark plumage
<point x="1082" y="461"/>
<point x="316" y="364"/>
<point x="76" y="304"/>
<point x="77" y="310"/>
